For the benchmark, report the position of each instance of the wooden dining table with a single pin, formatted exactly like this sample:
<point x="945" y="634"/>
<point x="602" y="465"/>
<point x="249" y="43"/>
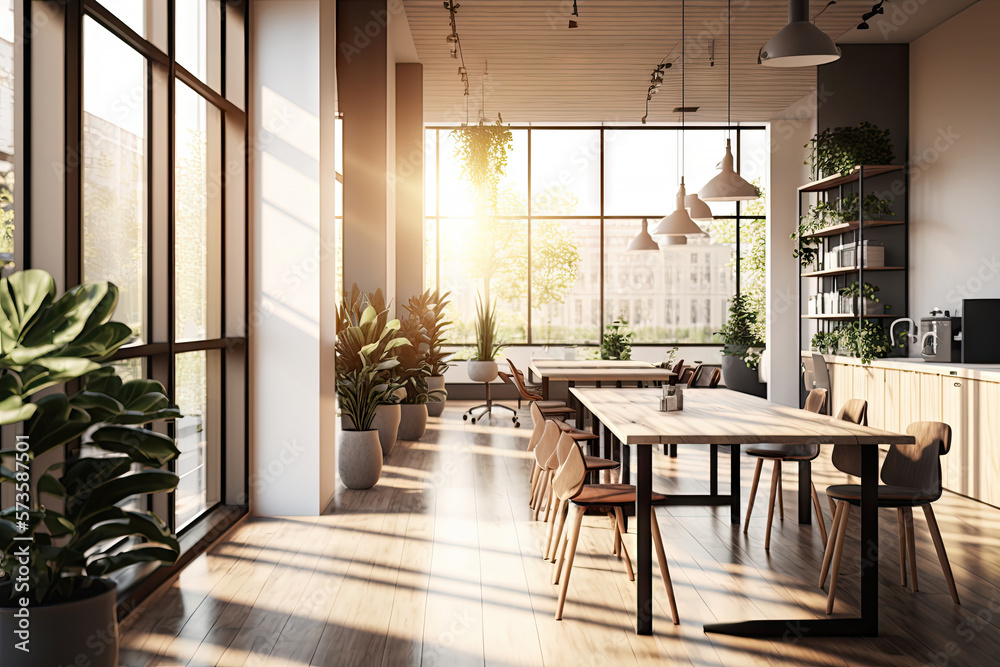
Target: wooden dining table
<point x="725" y="417"/>
<point x="601" y="372"/>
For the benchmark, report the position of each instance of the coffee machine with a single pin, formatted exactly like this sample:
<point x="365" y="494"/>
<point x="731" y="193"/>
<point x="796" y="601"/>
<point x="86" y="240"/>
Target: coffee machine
<point x="938" y="334"/>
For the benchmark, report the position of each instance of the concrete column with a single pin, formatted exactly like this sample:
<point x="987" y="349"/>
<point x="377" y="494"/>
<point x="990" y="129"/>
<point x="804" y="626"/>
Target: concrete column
<point x="292" y="469"/>
<point x="789" y="133"/>
<point x="363" y="79"/>
<point x="409" y="179"/>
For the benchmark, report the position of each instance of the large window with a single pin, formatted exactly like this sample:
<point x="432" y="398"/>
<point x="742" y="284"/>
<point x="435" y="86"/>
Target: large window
<point x="7" y="87"/>
<point x="553" y="258"/>
<point x="163" y="190"/>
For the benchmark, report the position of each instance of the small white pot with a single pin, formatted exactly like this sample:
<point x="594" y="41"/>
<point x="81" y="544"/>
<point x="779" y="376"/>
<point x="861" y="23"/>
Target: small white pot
<point x="359" y="457"/>
<point x="413" y="424"/>
<point x="483" y="371"/>
<point x="436" y="408"/>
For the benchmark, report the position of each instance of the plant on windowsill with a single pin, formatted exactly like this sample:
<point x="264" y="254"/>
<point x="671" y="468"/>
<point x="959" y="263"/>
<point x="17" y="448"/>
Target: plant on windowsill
<point x="742" y="348"/>
<point x="349" y="314"/>
<point x="616" y="343"/>
<point x="839" y="150"/>
<point x="63" y="558"/>
<point x="429" y="308"/>
<point x="483" y="367"/>
<point x="366" y="352"/>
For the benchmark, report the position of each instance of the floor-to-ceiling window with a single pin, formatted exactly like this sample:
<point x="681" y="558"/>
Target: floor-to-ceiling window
<point x="8" y="84"/>
<point x="163" y="207"/>
<point x="553" y="257"/>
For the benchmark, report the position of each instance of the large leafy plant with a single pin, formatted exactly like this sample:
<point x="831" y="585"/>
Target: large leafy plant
<point x="428" y="308"/>
<point x="414" y="367"/>
<point x="617" y="341"/>
<point x="839" y="150"/>
<point x="44" y="342"/>
<point x="487" y="331"/>
<point x="741" y="334"/>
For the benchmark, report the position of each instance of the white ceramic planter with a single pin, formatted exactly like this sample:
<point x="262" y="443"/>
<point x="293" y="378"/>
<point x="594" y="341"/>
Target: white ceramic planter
<point x="84" y="632"/>
<point x="387" y="424"/>
<point x="359" y="458"/>
<point x="436" y="382"/>
<point x="413" y="424"/>
<point x="483" y="371"/>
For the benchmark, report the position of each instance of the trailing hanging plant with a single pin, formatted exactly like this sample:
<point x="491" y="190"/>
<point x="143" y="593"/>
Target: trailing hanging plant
<point x="839" y="150"/>
<point x="866" y="340"/>
<point x="617" y="341"/>
<point x="482" y="150"/>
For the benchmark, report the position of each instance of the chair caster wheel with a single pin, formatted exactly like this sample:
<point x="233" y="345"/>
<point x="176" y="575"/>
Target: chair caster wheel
<point x="465" y="418"/>
<point x="473" y="420"/>
<point x="517" y="424"/>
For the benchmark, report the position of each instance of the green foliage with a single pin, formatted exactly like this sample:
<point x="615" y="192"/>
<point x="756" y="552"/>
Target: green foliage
<point x="826" y="342"/>
<point x="869" y="291"/>
<point x="6" y="213"/>
<point x="482" y="150"/>
<point x="617" y="341"/>
<point x="824" y="214"/>
<point x="839" y="150"/>
<point x="45" y="341"/>
<point x="367" y="346"/>
<point x="865" y="340"/>
<point x="414" y="367"/>
<point x="741" y="334"/>
<point x="428" y="308"/>
<point x="487" y="334"/>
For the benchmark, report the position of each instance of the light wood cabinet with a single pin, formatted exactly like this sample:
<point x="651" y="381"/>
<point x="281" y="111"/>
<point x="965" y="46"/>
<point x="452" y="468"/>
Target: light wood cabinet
<point x="988" y="443"/>
<point x="959" y="403"/>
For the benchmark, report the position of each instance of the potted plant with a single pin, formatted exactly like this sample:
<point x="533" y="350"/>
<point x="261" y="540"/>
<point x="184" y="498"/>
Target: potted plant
<point x="482" y="150"/>
<point x="365" y="353"/>
<point x="413" y="372"/>
<point x="429" y="308"/>
<point x="866" y="295"/>
<point x="866" y="340"/>
<point x="387" y="414"/>
<point x="742" y="346"/>
<point x="55" y="563"/>
<point x="483" y="367"/>
<point x="839" y="150"/>
<point x="617" y="341"/>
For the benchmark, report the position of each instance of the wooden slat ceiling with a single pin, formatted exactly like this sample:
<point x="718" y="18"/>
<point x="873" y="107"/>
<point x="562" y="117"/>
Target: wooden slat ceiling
<point x="541" y="71"/>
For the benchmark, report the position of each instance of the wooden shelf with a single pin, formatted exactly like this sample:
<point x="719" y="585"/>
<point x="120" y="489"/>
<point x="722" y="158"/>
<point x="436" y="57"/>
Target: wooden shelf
<point x="845" y="317"/>
<point x="852" y="225"/>
<point x="843" y="271"/>
<point x="843" y="179"/>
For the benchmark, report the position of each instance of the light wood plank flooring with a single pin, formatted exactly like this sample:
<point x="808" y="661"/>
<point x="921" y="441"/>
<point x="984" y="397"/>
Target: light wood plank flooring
<point x="440" y="565"/>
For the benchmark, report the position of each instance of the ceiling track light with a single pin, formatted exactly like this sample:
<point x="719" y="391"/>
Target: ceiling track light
<point x="656" y="80"/>
<point x="576" y="13"/>
<point x="800" y="43"/>
<point x="876" y="10"/>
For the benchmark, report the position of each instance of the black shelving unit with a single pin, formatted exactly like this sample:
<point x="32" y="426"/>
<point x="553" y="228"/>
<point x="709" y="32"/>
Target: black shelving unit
<point x="892" y="278"/>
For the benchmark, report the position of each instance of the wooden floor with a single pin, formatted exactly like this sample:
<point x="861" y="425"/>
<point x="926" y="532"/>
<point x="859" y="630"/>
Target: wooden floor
<point x="439" y="565"/>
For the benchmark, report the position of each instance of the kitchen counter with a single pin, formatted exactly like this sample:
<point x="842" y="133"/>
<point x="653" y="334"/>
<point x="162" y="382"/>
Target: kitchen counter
<point x="987" y="372"/>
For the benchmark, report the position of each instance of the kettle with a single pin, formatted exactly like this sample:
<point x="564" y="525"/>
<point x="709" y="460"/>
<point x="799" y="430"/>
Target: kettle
<point x="938" y="334"/>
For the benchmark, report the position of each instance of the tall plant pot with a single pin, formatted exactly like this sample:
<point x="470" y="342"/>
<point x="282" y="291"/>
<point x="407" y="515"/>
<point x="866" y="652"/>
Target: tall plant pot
<point x="738" y="376"/>
<point x="437" y="407"/>
<point x="413" y="424"/>
<point x="483" y="371"/>
<point x="386" y="423"/>
<point x="359" y="457"/>
<point x="83" y="632"/>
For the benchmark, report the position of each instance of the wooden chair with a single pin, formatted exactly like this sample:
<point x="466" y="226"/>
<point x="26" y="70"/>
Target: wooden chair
<point x="911" y="476"/>
<point x="815" y="402"/>
<point x="705" y="377"/>
<point x="571" y="489"/>
<point x="557" y="409"/>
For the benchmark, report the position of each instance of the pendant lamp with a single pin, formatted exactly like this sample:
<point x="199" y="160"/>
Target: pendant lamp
<point x="728" y="185"/>
<point x="642" y="240"/>
<point x="679" y="223"/>
<point x="800" y="43"/>
<point x="698" y="210"/>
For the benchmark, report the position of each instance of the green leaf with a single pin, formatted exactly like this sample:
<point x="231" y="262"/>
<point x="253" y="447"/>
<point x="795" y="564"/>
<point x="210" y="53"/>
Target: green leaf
<point x="13" y="409"/>
<point x="55" y="370"/>
<point x="368" y="316"/>
<point x="103" y="566"/>
<point x="23" y="295"/>
<point x="71" y="314"/>
<point x="141" y="445"/>
<point x="116" y="490"/>
<point x="55" y="423"/>
<point x="133" y="524"/>
<point x="50" y="485"/>
<point x="82" y="475"/>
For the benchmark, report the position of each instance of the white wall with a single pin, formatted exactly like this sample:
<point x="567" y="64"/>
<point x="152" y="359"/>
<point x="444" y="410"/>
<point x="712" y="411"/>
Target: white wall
<point x="789" y="133"/>
<point x="954" y="144"/>
<point x="291" y="450"/>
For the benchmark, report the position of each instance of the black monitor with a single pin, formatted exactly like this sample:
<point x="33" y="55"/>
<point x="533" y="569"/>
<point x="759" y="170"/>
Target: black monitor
<point x="981" y="331"/>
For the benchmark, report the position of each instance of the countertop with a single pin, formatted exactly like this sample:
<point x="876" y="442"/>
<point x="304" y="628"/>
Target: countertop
<point x="988" y="372"/>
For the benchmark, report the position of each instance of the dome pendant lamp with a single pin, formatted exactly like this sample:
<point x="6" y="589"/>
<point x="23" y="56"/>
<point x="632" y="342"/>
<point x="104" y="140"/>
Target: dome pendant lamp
<point x="728" y="185"/>
<point x="678" y="225"/>
<point x="699" y="210"/>
<point x="642" y="240"/>
<point x="800" y="43"/>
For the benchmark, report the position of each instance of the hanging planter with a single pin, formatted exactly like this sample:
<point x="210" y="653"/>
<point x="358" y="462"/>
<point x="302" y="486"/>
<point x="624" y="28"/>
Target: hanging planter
<point x="482" y="150"/>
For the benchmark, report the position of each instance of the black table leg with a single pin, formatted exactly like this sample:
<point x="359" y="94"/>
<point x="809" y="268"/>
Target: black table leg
<point x="644" y="556"/>
<point x="734" y="484"/>
<point x="805" y="492"/>
<point x="673" y="451"/>
<point x="545" y="387"/>
<point x="626" y="463"/>
<point x="713" y="465"/>
<point x="609" y="448"/>
<point x="579" y="407"/>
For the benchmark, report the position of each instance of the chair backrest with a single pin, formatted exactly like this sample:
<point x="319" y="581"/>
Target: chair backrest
<point x="847" y="458"/>
<point x="808" y="374"/>
<point x="918" y="466"/>
<point x="572" y="473"/>
<point x="816" y="401"/>
<point x="518" y="378"/>
<point x="538" y="420"/>
<point x="686" y="376"/>
<point x="547" y="444"/>
<point x="678" y="367"/>
<point x="706" y="376"/>
<point x="821" y="374"/>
